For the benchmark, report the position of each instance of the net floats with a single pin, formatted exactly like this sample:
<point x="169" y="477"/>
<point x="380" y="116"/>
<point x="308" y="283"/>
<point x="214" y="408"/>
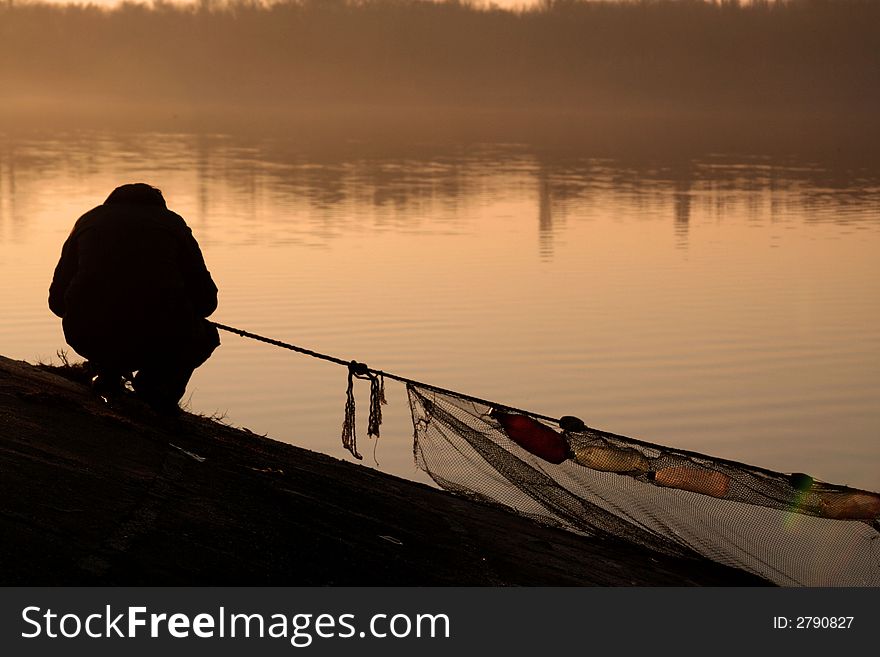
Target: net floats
<point x="695" y="480"/>
<point x="841" y="504"/>
<point x="856" y="505"/>
<point x="605" y="458"/>
<point x="533" y="436"/>
<point x="552" y="446"/>
<point x="611" y="459"/>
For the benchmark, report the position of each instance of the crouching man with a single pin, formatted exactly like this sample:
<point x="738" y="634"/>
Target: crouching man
<point x="134" y="293"/>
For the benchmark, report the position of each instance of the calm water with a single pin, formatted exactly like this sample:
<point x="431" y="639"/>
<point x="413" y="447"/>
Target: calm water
<point x="726" y="304"/>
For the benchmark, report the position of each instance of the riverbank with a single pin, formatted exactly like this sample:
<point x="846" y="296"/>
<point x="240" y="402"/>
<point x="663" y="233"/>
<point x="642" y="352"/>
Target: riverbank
<point x="100" y="494"/>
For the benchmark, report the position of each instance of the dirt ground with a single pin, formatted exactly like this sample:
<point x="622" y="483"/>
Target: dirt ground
<point x="111" y="494"/>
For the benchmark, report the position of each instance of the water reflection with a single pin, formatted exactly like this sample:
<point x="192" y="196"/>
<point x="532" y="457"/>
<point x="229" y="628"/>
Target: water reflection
<point x="545" y="216"/>
<point x="219" y="168"/>
<point x="665" y="298"/>
<point x="682" y="201"/>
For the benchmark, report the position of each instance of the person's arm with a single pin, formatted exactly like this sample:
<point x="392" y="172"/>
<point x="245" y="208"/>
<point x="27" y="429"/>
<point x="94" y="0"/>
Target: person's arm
<point x="64" y="273"/>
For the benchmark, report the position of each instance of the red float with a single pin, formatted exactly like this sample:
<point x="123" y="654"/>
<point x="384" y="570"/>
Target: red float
<point x="533" y="436"/>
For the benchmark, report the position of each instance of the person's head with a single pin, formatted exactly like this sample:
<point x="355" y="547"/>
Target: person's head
<point x="136" y="194"/>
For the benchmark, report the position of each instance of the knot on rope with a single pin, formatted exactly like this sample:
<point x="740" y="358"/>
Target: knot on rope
<point x="377" y="398"/>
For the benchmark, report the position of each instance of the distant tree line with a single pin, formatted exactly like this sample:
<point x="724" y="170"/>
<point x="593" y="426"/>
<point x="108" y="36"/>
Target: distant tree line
<point x="788" y="55"/>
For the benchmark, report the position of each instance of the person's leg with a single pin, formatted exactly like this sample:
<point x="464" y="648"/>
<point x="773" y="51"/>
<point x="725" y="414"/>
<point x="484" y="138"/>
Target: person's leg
<point x="109" y="367"/>
<point x="107" y="381"/>
<point x="161" y="384"/>
<point x="163" y="379"/>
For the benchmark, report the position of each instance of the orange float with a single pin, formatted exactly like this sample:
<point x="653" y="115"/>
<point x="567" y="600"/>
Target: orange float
<point x="857" y="505"/>
<point x="696" y="480"/>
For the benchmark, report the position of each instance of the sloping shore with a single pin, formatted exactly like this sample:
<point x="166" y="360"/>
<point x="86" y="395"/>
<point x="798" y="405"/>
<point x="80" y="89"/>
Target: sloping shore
<point x="100" y="494"/>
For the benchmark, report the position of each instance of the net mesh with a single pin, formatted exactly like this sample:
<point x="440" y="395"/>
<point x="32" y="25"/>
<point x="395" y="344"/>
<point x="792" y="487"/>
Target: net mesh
<point x="787" y="528"/>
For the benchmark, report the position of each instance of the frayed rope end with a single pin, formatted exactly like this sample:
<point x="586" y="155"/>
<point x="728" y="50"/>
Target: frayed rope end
<point x="377" y="399"/>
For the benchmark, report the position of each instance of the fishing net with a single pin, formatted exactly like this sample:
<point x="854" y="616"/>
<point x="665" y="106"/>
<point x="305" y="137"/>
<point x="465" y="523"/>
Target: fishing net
<point x="787" y="528"/>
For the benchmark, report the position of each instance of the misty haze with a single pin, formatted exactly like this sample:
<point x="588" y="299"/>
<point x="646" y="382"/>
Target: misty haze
<point x="642" y="58"/>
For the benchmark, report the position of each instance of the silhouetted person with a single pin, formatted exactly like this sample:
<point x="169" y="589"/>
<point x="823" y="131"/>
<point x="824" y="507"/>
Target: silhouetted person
<point x="133" y="291"/>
